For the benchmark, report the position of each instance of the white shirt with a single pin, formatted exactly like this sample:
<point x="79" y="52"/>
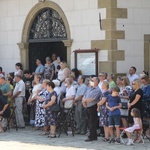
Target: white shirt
<point x="70" y="91"/>
<point x="18" y="72"/>
<point x="100" y="85"/>
<point x="20" y="86"/>
<point x="132" y="77"/>
<point x="36" y="88"/>
<point x="57" y="90"/>
<point x="61" y="74"/>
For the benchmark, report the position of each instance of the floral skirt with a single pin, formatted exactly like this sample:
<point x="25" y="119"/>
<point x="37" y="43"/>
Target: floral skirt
<point x="50" y="118"/>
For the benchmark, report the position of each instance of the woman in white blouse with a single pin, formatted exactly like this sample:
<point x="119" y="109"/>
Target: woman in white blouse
<point x="63" y="73"/>
<point x="70" y="94"/>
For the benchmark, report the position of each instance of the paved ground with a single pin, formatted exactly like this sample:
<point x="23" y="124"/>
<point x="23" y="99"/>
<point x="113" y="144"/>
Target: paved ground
<point x="28" y="139"/>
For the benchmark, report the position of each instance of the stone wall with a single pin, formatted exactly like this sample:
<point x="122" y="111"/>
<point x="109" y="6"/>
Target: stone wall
<point x="135" y="26"/>
<point x="82" y="15"/>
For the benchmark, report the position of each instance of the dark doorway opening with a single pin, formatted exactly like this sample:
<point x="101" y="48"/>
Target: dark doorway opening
<point x="43" y="49"/>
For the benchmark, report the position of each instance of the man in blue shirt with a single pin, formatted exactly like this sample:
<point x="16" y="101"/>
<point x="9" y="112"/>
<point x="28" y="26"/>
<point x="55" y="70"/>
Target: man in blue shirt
<point x="39" y="69"/>
<point x="90" y="100"/>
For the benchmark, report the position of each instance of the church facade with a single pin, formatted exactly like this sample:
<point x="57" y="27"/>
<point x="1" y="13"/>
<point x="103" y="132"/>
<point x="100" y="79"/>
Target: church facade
<point x="119" y="29"/>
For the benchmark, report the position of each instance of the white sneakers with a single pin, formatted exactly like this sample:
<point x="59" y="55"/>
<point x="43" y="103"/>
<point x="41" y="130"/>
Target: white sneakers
<point x="130" y="142"/>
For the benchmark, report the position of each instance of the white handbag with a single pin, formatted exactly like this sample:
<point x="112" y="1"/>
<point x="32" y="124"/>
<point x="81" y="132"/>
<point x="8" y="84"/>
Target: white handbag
<point x="68" y="104"/>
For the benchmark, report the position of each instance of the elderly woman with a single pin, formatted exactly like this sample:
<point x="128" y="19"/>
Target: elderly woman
<point x="74" y="83"/>
<point x="146" y="87"/>
<point x="125" y="92"/>
<point x="135" y="99"/>
<point x="49" y="69"/>
<point x="4" y="110"/>
<point x="102" y="78"/>
<point x="57" y="89"/>
<point x="103" y="110"/>
<point x="70" y="94"/>
<point x="50" y="116"/>
<point x="39" y="111"/>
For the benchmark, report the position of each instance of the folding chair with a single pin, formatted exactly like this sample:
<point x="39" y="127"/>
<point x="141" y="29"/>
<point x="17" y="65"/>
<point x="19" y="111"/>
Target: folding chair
<point x="12" y="118"/>
<point x="66" y="120"/>
<point x="123" y="131"/>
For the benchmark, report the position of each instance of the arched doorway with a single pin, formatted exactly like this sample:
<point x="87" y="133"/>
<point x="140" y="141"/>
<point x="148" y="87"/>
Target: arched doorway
<point x="46" y="30"/>
<point x="46" y="35"/>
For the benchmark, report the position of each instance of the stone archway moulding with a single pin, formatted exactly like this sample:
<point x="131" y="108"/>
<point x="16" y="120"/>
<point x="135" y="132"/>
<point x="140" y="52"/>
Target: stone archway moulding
<point x="24" y="45"/>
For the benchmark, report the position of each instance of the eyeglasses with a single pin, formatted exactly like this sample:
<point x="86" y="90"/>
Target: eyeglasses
<point x="101" y="75"/>
<point x="133" y="83"/>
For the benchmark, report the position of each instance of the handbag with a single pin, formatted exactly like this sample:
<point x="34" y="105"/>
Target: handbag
<point x="68" y="104"/>
<point x="55" y="108"/>
<point x="124" y="105"/>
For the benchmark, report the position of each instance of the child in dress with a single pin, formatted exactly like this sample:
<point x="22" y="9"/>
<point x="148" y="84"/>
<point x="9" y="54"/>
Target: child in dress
<point x="137" y="125"/>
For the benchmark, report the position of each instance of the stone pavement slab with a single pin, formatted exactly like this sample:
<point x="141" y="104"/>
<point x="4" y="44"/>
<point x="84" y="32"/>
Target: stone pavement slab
<point x="29" y="139"/>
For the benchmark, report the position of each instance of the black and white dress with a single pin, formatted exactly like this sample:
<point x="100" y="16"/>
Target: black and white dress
<point x="40" y="112"/>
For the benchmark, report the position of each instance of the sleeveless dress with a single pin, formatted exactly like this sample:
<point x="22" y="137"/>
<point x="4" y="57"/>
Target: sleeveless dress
<point x="39" y="110"/>
<point x="134" y="127"/>
<point x="48" y="69"/>
<point x="50" y="116"/>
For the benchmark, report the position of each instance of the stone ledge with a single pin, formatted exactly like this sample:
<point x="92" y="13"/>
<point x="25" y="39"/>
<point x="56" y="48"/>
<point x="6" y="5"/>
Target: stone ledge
<point x="118" y="34"/>
<point x="116" y="55"/>
<point x="107" y="3"/>
<point x="104" y="44"/>
<point x="108" y="66"/>
<point x="116" y="13"/>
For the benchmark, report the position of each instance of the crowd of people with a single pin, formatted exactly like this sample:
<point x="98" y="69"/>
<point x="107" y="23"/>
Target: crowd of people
<point x="113" y="103"/>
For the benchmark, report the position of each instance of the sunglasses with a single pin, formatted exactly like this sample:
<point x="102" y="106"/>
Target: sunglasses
<point x="133" y="83"/>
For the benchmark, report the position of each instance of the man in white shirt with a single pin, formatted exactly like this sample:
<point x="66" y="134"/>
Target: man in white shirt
<point x="132" y="74"/>
<point x="18" y="96"/>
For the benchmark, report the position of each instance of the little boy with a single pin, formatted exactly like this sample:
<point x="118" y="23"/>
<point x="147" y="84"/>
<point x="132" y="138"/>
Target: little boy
<point x="113" y="104"/>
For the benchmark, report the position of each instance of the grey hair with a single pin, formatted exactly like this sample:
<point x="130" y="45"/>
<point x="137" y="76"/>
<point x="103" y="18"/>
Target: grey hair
<point x="97" y="79"/>
<point x="46" y="81"/>
<point x="68" y="80"/>
<point x="106" y="84"/>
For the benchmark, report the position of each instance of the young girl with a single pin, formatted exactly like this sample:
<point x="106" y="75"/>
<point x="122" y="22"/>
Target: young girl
<point x="135" y="113"/>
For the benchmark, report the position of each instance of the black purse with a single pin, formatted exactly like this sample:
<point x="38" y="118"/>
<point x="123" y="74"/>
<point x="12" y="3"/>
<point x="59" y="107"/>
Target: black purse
<point x="55" y="108"/>
<point x="124" y="105"/>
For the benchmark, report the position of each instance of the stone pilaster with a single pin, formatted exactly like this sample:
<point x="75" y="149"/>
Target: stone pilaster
<point x="109" y="24"/>
<point x="24" y="54"/>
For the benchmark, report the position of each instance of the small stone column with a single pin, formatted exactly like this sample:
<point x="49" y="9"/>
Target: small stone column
<point x="68" y="44"/>
<point x="24" y="54"/>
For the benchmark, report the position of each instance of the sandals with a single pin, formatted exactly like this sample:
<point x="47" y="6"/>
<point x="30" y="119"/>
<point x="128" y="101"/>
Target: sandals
<point x="138" y="141"/>
<point x="105" y="140"/>
<point x="51" y="136"/>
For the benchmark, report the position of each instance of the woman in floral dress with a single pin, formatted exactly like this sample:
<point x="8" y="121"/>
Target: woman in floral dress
<point x="50" y="116"/>
<point x="103" y="110"/>
<point x="40" y="112"/>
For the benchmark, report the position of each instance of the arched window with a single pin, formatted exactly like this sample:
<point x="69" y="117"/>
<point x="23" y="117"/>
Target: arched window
<point x="48" y="25"/>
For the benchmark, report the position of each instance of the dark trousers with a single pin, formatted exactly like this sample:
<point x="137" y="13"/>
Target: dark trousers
<point x="92" y="120"/>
